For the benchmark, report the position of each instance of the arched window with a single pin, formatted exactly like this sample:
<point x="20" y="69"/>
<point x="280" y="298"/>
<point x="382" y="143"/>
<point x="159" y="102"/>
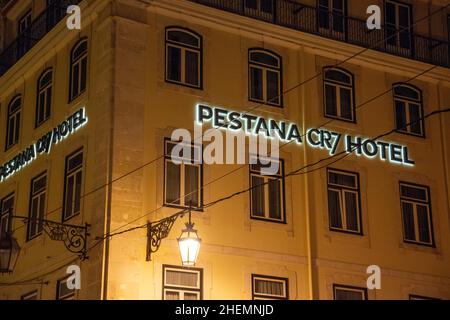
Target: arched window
<point x="265" y="80"/>
<point x="78" y="69"/>
<point x="13" y="121"/>
<point x="408" y="109"/>
<point x="44" y="97"/>
<point x="339" y="94"/>
<point x="183" y="57"/>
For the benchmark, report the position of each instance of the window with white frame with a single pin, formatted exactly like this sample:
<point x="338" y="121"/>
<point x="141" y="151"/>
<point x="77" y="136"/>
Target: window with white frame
<point x="182" y="283"/>
<point x="398" y="24"/>
<point x="267" y="191"/>
<point x="63" y="292"/>
<point x="183" y="57"/>
<point x="73" y="184"/>
<point x="13" y="122"/>
<point x="416" y="214"/>
<point x="78" y="69"/>
<point x="269" y="288"/>
<point x="344" y="201"/>
<point x="183" y="173"/>
<point x="408" y="110"/>
<point x="265" y="77"/>
<point x="341" y="292"/>
<point x="339" y="94"/>
<point x="331" y="15"/>
<point x="6" y="211"/>
<point x="30" y="296"/>
<point x="37" y="205"/>
<point x="44" y="97"/>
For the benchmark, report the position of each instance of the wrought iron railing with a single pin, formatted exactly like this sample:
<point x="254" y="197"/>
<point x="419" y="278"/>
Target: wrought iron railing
<point x="294" y="15"/>
<point x="40" y="26"/>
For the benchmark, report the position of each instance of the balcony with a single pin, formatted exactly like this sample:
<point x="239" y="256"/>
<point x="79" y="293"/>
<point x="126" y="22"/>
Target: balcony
<point x="308" y="19"/>
<point x="42" y="25"/>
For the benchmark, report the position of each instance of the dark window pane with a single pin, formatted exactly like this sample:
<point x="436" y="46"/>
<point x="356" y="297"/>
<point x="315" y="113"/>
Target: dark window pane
<point x="69" y="197"/>
<point x="173" y="183"/>
<point x="266" y="6"/>
<point x="330" y="100"/>
<point x="183" y="37"/>
<point x="391" y="35"/>
<point x="174" y="64"/>
<point x="41" y="215"/>
<point x="324" y="18"/>
<point x="256" y="83"/>
<point x="191" y="185"/>
<point x="345" y="180"/>
<point x="83" y="75"/>
<point x="408" y="221"/>
<point x="252" y="4"/>
<point x="346" y="104"/>
<point x="192" y="68"/>
<point x="351" y="206"/>
<point x="414" y="116"/>
<point x="334" y="209"/>
<point x="80" y="50"/>
<point x="423" y="224"/>
<point x="41" y="107"/>
<point x="17" y="128"/>
<point x="390" y="13"/>
<point x="407" y="92"/>
<point x="338" y="5"/>
<point x="273" y="90"/>
<point x="275" y="199"/>
<point x="400" y="115"/>
<point x="342" y="294"/>
<point x="75" y="80"/>
<point x="264" y="58"/>
<point x="415" y="193"/>
<point x="257" y="196"/>
<point x="77" y="199"/>
<point x="49" y="103"/>
<point x="339" y="76"/>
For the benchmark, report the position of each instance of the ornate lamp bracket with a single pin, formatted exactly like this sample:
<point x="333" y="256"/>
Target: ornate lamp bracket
<point x="156" y="231"/>
<point x="73" y="236"/>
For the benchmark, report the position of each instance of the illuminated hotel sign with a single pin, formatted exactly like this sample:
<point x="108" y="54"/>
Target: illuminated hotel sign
<point x="316" y="138"/>
<point x="44" y="144"/>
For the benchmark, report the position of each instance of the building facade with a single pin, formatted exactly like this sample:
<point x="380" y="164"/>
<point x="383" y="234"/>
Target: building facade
<point x="115" y="91"/>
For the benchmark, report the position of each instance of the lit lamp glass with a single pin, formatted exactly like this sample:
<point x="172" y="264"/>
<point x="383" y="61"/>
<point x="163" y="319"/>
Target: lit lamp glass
<point x="189" y="244"/>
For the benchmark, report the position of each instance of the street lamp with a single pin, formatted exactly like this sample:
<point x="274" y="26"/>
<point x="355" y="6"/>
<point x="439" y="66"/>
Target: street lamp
<point x="9" y="253"/>
<point x="189" y="244"/>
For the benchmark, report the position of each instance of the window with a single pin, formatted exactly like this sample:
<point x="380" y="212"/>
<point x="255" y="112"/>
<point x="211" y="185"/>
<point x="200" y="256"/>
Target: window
<point x="268" y="288"/>
<point x="398" y="24"/>
<point x="349" y="293"/>
<point x="263" y="6"/>
<point x="184" y="57"/>
<point x="37" y="205"/>
<point x="23" y="32"/>
<point x="72" y="185"/>
<point x="183" y="182"/>
<point x="339" y="94"/>
<point x="44" y="97"/>
<point x="30" y="296"/>
<point x="265" y="81"/>
<point x="182" y="284"/>
<point x="416" y="214"/>
<point x="6" y="210"/>
<point x="344" y="201"/>
<point x="267" y="193"/>
<point x="408" y="110"/>
<point x="331" y="15"/>
<point x="78" y="69"/>
<point x="63" y="292"/>
<point x="13" y="122"/>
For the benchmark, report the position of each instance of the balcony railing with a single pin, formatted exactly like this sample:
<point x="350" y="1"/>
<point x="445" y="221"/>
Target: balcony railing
<point x="45" y="22"/>
<point x="300" y="17"/>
